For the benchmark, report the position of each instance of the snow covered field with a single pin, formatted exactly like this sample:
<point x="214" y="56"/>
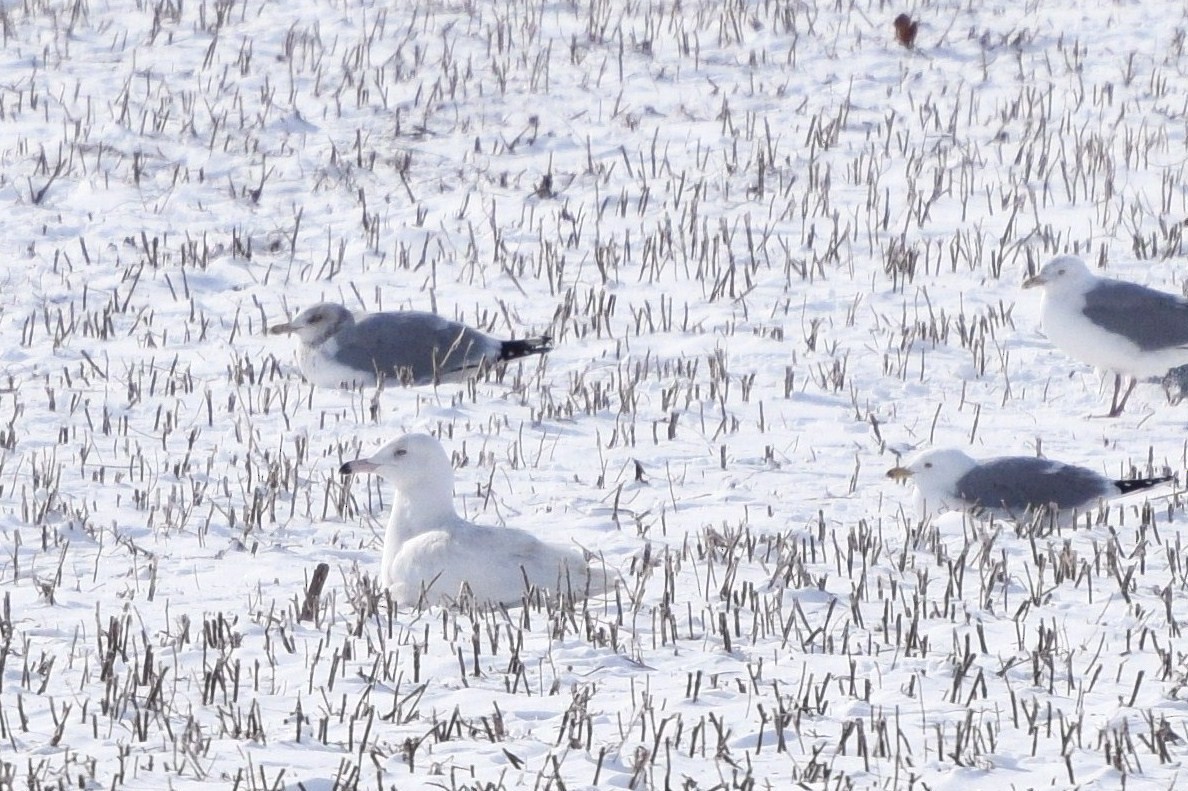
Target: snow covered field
<point x="775" y="250"/>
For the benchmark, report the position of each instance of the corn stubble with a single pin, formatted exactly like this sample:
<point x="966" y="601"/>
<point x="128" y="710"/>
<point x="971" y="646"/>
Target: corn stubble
<point x="763" y="296"/>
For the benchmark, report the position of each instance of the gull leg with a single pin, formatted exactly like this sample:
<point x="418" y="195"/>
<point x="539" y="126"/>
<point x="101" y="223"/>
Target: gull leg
<point x="1117" y="406"/>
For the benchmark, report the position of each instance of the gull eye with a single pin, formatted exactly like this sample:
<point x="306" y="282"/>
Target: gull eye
<point x="928" y="465"/>
<point x="401" y="452"/>
<point x="1060" y="271"/>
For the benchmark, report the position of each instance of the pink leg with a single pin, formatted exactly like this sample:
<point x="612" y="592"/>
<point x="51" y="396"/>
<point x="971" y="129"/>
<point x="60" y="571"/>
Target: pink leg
<point x="1117" y="406"/>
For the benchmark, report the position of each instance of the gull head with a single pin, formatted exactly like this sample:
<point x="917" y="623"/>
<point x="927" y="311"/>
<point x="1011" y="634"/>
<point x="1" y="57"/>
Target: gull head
<point x="317" y="323"/>
<point x="935" y="473"/>
<point x="415" y="463"/>
<point x="1064" y="273"/>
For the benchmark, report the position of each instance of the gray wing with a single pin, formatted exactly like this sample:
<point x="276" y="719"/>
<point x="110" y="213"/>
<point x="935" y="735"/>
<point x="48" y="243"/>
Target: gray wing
<point x="411" y="346"/>
<point x="1020" y="483"/>
<point x="1148" y="318"/>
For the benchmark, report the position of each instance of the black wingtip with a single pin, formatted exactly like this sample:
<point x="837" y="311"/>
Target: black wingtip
<point x="1138" y="484"/>
<point x="512" y="350"/>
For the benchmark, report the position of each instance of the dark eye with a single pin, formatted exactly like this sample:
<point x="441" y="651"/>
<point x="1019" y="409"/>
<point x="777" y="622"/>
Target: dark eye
<point x="1060" y="271"/>
<point x="928" y="465"/>
<point x="401" y="452"/>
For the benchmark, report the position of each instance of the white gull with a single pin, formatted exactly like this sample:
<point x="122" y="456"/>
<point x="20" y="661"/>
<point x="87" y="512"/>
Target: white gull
<point x="432" y="556"/>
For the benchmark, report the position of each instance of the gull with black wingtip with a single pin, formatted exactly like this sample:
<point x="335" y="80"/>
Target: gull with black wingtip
<point x="403" y="347"/>
<point x="1018" y="488"/>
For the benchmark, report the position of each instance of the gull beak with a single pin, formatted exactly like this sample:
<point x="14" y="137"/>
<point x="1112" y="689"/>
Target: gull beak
<point x="1034" y="282"/>
<point x="358" y="466"/>
<point x="280" y="329"/>
<point x="899" y="474"/>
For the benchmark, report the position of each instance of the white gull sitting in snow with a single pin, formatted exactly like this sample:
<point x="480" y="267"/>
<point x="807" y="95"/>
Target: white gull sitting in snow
<point x="1118" y="326"/>
<point x="1018" y="488"/>
<point x="404" y="347"/>
<point x="432" y="555"/>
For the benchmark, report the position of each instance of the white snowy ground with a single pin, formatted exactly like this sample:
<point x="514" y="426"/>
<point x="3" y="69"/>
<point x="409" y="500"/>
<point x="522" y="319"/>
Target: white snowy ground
<point x="775" y="248"/>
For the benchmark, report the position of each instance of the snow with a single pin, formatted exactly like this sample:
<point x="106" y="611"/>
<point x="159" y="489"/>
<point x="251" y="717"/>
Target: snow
<point x="775" y="250"/>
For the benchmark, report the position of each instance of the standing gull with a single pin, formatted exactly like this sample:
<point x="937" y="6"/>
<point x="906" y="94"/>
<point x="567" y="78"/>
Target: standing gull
<point x="431" y="554"/>
<point x="1122" y="327"/>
<point x="408" y="347"/>
<point x="1018" y="488"/>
